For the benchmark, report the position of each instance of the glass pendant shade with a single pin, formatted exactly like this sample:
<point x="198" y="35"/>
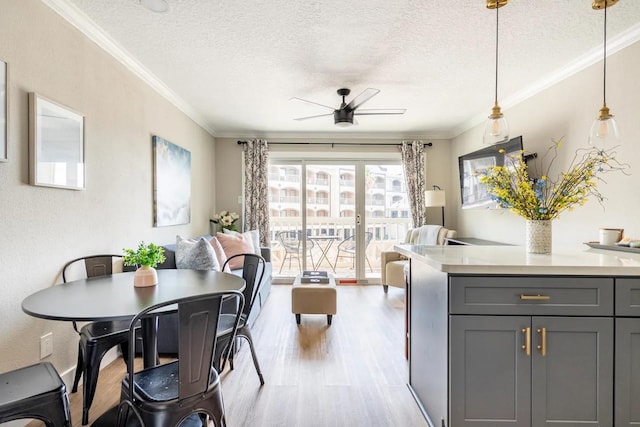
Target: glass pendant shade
<point x="496" y="129"/>
<point x="604" y="130"/>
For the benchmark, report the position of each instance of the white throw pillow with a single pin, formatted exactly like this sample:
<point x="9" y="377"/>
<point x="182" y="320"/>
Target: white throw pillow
<point x="253" y="235"/>
<point x="195" y="254"/>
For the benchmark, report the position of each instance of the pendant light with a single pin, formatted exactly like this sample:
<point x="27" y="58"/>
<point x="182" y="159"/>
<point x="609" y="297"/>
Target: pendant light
<point x="496" y="129"/>
<point x="604" y="131"/>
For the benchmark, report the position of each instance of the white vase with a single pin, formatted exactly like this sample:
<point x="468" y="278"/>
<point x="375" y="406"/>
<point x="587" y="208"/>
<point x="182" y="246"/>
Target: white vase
<point x="145" y="276"/>
<point x="538" y="236"/>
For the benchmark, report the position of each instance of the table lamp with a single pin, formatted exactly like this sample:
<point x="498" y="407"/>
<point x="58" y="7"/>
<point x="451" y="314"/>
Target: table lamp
<point x="435" y="198"/>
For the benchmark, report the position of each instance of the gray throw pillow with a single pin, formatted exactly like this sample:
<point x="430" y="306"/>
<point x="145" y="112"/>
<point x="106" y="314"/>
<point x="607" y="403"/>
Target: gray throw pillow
<point x="195" y="254"/>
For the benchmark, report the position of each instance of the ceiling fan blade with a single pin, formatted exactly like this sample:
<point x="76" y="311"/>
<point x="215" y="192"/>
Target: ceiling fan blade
<point x="313" y="117"/>
<point x="311" y="102"/>
<point x="366" y="95"/>
<point x="370" y="112"/>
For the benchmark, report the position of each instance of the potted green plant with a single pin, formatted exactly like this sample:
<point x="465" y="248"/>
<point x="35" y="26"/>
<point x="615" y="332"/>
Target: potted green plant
<point x="146" y="258"/>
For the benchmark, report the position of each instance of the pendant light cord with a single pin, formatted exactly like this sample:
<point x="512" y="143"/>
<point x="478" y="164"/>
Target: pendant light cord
<point x="604" y="74"/>
<point x="496" y="91"/>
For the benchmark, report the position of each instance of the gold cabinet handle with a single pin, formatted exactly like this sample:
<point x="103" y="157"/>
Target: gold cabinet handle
<point x="543" y="341"/>
<point x="527" y="341"/>
<point x="535" y="297"/>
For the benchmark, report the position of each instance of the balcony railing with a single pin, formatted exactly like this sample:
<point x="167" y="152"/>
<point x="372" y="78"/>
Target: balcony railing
<point x="317" y="201"/>
<point x="274" y="177"/>
<point x="317" y="181"/>
<point x="284" y="199"/>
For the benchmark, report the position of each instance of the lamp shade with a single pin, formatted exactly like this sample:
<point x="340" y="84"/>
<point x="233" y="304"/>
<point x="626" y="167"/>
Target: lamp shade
<point x="434" y="198"/>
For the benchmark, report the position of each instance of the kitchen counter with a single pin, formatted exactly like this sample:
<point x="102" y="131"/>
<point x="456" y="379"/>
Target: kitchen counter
<point x="515" y="260"/>
<point x="496" y="333"/>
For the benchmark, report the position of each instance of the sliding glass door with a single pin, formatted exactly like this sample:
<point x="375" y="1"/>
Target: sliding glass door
<point x="336" y="216"/>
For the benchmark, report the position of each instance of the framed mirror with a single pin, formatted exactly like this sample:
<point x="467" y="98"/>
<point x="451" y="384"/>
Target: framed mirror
<point x="56" y="145"/>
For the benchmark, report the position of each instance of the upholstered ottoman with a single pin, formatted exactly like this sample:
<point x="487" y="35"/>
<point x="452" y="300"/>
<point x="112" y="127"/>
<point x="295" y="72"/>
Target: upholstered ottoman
<point x="313" y="298"/>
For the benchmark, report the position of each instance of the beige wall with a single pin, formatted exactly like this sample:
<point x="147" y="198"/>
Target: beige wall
<point x="568" y="109"/>
<point x="41" y="228"/>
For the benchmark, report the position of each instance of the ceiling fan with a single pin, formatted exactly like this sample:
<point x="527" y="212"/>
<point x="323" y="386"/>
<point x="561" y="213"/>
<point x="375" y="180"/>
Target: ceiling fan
<point x="343" y="116"/>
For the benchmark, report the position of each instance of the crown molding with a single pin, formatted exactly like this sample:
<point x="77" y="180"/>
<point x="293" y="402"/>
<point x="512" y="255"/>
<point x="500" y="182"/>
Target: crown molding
<point x="86" y="26"/>
<point x="370" y="136"/>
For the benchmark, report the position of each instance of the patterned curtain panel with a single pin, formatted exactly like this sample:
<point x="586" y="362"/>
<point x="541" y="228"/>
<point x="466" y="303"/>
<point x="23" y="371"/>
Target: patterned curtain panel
<point x="256" y="195"/>
<point x="413" y="164"/>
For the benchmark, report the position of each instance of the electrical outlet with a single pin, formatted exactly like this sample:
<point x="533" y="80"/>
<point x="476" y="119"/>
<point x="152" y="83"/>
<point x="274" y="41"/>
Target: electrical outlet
<point x="46" y="345"/>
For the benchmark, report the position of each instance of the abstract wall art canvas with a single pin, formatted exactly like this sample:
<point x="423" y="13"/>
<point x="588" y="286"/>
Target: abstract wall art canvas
<point x="171" y="184"/>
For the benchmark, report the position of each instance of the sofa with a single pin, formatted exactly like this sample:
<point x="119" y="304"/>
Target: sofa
<point x="168" y="324"/>
<point x="394" y="264"/>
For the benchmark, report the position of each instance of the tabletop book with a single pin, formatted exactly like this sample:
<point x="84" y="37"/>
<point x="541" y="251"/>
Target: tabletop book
<point x="314" y="276"/>
<point x="316" y="273"/>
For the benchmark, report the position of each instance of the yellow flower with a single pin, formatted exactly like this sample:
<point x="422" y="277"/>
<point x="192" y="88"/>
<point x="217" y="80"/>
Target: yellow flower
<point x="543" y="198"/>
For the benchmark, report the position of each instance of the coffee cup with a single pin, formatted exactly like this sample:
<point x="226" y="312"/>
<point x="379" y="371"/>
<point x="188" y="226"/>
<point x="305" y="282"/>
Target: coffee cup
<point x="609" y="236"/>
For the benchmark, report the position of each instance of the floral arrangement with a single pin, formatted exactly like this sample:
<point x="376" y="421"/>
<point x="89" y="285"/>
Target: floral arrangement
<point x="534" y="195"/>
<point x="146" y="255"/>
<point x="226" y="220"/>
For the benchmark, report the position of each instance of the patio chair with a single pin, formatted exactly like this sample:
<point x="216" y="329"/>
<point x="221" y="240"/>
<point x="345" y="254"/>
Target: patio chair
<point x="347" y="249"/>
<point x="291" y="241"/>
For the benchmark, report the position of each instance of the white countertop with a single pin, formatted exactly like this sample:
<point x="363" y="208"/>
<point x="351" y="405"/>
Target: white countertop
<point x="577" y="260"/>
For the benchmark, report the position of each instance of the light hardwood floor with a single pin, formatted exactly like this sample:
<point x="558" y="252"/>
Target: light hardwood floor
<point x="352" y="373"/>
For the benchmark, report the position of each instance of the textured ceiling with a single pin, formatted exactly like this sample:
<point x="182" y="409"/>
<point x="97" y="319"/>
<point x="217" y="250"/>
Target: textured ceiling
<point x="234" y="65"/>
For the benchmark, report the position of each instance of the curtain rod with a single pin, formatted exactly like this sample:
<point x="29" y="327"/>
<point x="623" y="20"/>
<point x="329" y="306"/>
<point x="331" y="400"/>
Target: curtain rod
<point x="333" y="144"/>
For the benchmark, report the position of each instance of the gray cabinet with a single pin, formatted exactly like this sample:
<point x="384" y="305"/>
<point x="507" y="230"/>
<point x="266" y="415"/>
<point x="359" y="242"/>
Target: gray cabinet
<point x="490" y="374"/>
<point x="468" y="367"/>
<point x="627" y="377"/>
<point x="572" y="384"/>
<point x="525" y="371"/>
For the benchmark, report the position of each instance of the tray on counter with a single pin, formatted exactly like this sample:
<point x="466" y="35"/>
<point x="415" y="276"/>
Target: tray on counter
<point x="596" y="245"/>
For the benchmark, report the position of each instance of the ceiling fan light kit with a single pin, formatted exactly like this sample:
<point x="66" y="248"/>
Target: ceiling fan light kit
<point x="496" y="129"/>
<point x="604" y="130"/>
<point x="344" y="115"/>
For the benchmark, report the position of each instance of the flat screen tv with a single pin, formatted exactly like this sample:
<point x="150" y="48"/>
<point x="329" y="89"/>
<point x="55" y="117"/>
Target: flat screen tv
<point x="474" y="194"/>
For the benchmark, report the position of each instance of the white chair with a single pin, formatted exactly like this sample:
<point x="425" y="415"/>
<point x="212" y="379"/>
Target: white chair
<point x="393" y="264"/>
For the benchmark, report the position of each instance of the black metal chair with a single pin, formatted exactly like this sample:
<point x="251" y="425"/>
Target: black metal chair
<point x="35" y="391"/>
<point x="252" y="272"/>
<point x="347" y="248"/>
<point x="96" y="338"/>
<point x="168" y="394"/>
<point x="291" y="241"/>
